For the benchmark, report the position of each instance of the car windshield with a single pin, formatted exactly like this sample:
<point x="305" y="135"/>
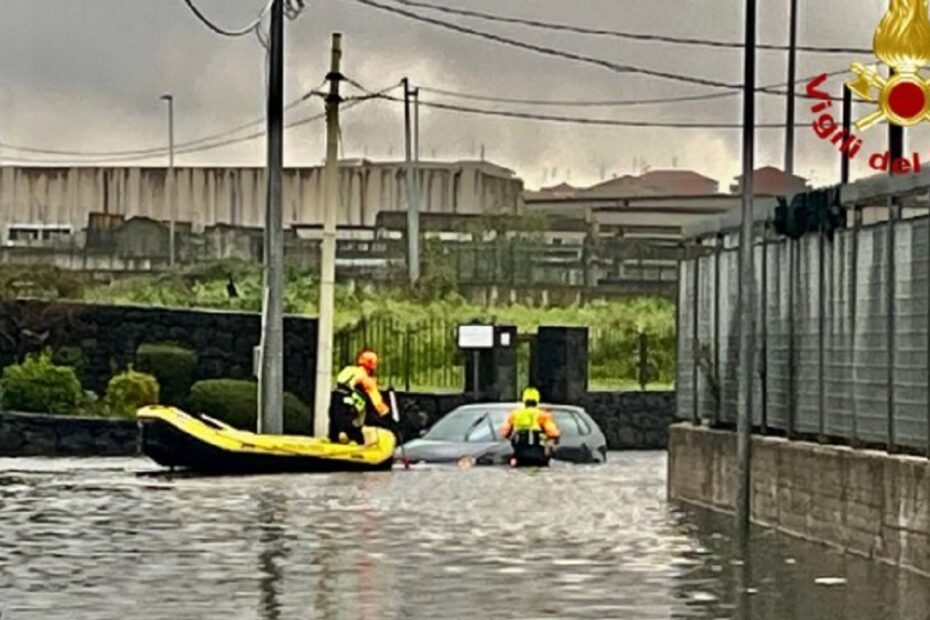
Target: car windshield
<point x="461" y="423"/>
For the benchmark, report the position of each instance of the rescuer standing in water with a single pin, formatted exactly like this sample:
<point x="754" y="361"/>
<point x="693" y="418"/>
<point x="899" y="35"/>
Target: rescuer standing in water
<point x="530" y="431"/>
<point x="356" y="390"/>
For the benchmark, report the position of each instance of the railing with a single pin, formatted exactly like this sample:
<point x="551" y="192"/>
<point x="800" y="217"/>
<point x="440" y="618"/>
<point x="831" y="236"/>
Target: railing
<point x="629" y="359"/>
<point x="414" y="356"/>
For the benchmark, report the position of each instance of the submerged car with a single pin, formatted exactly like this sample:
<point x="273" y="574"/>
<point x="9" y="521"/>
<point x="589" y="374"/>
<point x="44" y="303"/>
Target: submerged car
<point x="472" y="432"/>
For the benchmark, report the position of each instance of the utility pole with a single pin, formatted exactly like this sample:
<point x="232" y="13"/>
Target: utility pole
<point x="324" y="351"/>
<point x="847" y="130"/>
<point x="271" y="376"/>
<point x="747" y="285"/>
<point x="413" y="217"/>
<point x="792" y="78"/>
<point x="416" y="169"/>
<point x="170" y="187"/>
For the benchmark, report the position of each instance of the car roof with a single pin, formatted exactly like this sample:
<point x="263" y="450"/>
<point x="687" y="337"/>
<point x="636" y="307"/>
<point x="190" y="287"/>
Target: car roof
<point x="517" y="404"/>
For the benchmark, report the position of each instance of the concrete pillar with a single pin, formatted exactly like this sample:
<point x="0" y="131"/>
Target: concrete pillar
<point x="561" y="362"/>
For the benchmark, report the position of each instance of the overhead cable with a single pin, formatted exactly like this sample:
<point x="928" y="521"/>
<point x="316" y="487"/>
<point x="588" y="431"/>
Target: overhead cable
<point x="623" y="34"/>
<point x="587" y="121"/>
<point x="550" y="51"/>
<point x="768" y="90"/>
<point x="224" y="31"/>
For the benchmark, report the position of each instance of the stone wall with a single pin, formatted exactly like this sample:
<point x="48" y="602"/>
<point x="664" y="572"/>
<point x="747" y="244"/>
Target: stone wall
<point x="109" y="335"/>
<point x="632" y="420"/>
<point x="866" y="502"/>
<point x="26" y="434"/>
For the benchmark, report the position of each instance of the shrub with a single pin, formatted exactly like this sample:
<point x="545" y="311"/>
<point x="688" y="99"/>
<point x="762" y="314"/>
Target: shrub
<point x="129" y="391"/>
<point x="40" y="386"/>
<point x="235" y="402"/>
<point x="173" y="367"/>
<point x="71" y="356"/>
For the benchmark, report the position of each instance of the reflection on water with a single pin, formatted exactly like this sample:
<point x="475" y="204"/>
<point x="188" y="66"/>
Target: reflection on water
<point x="92" y="539"/>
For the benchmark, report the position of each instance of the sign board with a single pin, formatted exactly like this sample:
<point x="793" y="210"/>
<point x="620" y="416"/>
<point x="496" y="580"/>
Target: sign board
<point x="476" y="336"/>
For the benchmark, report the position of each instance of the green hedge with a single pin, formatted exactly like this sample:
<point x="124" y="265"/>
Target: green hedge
<point x="129" y="391"/>
<point x="40" y="386"/>
<point x="235" y="402"/>
<point x="172" y="365"/>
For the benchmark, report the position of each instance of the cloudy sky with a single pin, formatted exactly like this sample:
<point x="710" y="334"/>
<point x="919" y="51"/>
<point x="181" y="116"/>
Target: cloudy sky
<point x="85" y="75"/>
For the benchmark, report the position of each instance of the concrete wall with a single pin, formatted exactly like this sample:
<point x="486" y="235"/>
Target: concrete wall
<point x="866" y="502"/>
<point x="27" y="434"/>
<point x="206" y="196"/>
<point x="108" y="337"/>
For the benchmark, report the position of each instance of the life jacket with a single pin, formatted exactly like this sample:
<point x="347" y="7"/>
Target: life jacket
<point x="527" y="419"/>
<point x="348" y="388"/>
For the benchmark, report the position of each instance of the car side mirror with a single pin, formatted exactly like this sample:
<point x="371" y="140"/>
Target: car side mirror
<point x="421" y="432"/>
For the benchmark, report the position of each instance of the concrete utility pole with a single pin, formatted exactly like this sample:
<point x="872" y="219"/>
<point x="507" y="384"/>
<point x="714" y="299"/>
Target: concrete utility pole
<point x="792" y="78"/>
<point x="271" y="376"/>
<point x="170" y="188"/>
<point x="413" y="216"/>
<point x="331" y="201"/>
<point x="417" y="194"/>
<point x="747" y="306"/>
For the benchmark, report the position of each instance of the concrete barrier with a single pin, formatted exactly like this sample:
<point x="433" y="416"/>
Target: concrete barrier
<point x="866" y="502"/>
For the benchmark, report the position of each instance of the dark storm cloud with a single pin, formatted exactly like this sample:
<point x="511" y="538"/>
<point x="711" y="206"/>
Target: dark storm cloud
<point x="86" y="74"/>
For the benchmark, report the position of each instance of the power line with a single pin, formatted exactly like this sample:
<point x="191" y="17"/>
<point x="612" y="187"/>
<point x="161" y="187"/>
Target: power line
<point x="353" y="102"/>
<point x="550" y="51"/>
<point x="155" y="151"/>
<point x="623" y="34"/>
<point x="223" y="31"/>
<point x="584" y="120"/>
<point x="768" y="90"/>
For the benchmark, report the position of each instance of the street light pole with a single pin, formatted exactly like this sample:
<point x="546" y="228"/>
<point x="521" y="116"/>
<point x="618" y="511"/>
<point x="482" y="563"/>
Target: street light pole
<point x="271" y="377"/>
<point x="413" y="216"/>
<point x="170" y="186"/>
<point x="747" y="308"/>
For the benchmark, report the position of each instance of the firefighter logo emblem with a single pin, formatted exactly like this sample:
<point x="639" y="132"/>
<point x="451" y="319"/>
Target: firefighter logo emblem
<point x="901" y="42"/>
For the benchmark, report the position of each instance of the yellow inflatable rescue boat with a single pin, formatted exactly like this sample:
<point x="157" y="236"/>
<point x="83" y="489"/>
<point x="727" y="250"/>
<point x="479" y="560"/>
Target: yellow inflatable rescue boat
<point x="173" y="438"/>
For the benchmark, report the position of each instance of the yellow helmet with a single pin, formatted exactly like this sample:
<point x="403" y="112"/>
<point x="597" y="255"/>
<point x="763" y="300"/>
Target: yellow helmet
<point x="531" y="395"/>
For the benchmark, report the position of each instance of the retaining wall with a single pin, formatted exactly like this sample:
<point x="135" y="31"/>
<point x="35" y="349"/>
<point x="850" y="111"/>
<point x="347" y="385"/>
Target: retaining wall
<point x="109" y="335"/>
<point x="26" y="434"/>
<point x="866" y="502"/>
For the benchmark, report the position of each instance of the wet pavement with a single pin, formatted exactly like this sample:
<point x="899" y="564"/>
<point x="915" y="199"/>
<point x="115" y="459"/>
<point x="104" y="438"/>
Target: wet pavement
<point x="94" y="539"/>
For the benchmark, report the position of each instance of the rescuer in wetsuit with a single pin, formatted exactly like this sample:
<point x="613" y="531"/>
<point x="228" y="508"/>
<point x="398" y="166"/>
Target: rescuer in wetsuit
<point x="530" y="431"/>
<point x="356" y="390"/>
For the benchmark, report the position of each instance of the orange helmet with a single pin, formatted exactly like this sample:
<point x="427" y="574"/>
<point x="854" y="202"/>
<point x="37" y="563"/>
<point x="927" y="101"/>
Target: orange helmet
<point x="368" y="360"/>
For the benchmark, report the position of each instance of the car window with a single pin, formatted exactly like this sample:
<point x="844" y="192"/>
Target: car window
<point x="567" y="422"/>
<point x="456" y="425"/>
<point x="583" y="424"/>
<point x="490" y="429"/>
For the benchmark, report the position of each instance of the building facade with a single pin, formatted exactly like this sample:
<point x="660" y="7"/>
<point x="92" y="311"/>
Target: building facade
<point x="49" y="201"/>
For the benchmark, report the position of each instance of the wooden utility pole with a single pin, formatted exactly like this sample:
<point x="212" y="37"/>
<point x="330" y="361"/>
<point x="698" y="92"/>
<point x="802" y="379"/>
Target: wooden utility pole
<point x="324" y="359"/>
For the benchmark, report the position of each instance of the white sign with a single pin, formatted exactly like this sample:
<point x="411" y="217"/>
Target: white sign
<point x="476" y="336"/>
<point x="505" y="339"/>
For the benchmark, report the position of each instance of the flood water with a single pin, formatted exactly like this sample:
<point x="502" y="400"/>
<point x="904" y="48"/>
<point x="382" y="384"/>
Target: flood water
<point x="94" y="539"/>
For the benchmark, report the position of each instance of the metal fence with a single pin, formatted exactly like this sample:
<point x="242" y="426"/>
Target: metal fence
<point x="841" y="336"/>
<point x="425" y="356"/>
<point x="420" y="356"/>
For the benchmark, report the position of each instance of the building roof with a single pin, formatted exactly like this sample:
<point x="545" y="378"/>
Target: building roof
<point x="655" y="183"/>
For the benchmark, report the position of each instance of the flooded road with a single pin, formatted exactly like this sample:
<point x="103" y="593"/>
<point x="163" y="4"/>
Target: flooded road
<point x="93" y="539"/>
